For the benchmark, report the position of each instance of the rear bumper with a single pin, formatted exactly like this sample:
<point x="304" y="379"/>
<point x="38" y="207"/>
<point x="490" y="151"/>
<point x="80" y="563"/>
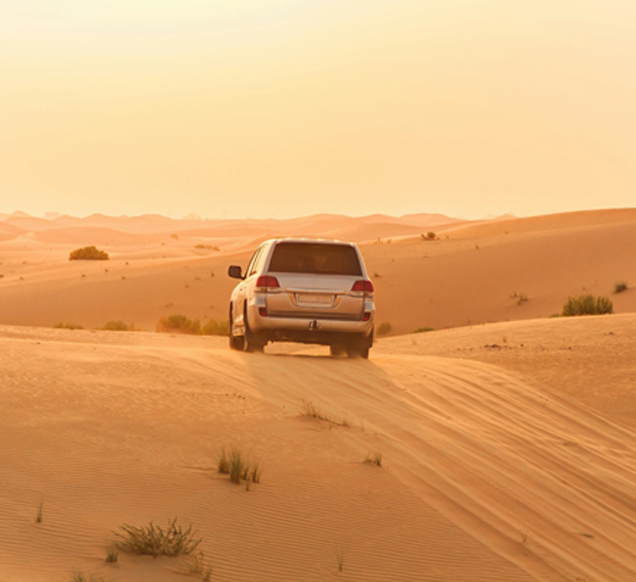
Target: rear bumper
<point x="308" y="330"/>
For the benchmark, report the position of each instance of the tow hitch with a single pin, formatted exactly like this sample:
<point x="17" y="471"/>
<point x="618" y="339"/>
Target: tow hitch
<point x="313" y="325"/>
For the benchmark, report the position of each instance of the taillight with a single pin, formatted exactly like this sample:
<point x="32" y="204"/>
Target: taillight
<point x="362" y="286"/>
<point x="267" y="283"/>
<point x="262" y="311"/>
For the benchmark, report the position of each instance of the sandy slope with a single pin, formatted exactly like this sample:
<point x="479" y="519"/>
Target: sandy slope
<point x="497" y="463"/>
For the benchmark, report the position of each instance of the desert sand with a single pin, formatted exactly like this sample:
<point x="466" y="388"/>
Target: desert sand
<point x="508" y="437"/>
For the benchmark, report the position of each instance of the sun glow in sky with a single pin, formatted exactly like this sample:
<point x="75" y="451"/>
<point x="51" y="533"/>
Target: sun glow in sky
<point x="279" y="108"/>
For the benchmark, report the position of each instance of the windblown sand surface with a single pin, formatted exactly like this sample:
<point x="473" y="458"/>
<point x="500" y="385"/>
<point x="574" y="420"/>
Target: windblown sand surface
<point x="508" y="449"/>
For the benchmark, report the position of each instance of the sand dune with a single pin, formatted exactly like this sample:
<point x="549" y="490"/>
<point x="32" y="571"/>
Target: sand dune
<point x="488" y="474"/>
<point x="507" y="440"/>
<point x="454" y="281"/>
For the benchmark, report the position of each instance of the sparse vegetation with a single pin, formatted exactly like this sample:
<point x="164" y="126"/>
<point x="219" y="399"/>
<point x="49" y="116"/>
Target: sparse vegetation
<point x="197" y="565"/>
<point x="238" y="466"/>
<point x="215" y="327"/>
<point x="91" y="253"/>
<point x="118" y="325"/>
<point x="310" y="410"/>
<point x="112" y="554"/>
<point x="374" y="458"/>
<point x="81" y="577"/>
<point x="178" y="324"/>
<point x="152" y="540"/>
<point x="620" y="287"/>
<point x="68" y="325"/>
<point x="207" y="247"/>
<point x="587" y="305"/>
<point x="520" y="297"/>
<point x="429" y="236"/>
<point x="384" y="328"/>
<point x="38" y="516"/>
<point x="423" y="329"/>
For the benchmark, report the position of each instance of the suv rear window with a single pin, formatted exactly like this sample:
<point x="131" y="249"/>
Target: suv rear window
<point x="315" y="258"/>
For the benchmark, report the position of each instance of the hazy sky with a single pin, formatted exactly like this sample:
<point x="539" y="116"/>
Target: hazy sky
<point x="277" y="108"/>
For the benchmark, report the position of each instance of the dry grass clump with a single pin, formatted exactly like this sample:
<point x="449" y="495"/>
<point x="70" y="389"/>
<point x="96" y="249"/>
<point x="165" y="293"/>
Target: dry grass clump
<point x="112" y="554"/>
<point x="177" y="323"/>
<point x="587" y="305"/>
<point x="153" y="540"/>
<point x="207" y="247"/>
<point x="216" y="327"/>
<point x="197" y="566"/>
<point x="620" y="287"/>
<point x="81" y="577"/>
<point x="67" y="325"/>
<point x="118" y="325"/>
<point x="384" y="328"/>
<point x="238" y="466"/>
<point x="310" y="410"/>
<point x="374" y="458"/>
<point x="424" y="329"/>
<point x="91" y="253"/>
<point x="429" y="236"/>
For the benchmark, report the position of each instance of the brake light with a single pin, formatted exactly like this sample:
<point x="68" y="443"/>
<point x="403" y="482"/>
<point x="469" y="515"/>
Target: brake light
<point x="363" y="286"/>
<point x="262" y="311"/>
<point x="267" y="283"/>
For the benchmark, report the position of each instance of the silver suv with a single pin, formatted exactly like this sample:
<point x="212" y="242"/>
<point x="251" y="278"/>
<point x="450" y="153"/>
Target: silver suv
<point x="303" y="290"/>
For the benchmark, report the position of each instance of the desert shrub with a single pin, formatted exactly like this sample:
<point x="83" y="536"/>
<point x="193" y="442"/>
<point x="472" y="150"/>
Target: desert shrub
<point x="153" y="540"/>
<point x="238" y="466"/>
<point x="91" y="253"/>
<point x="310" y="410"/>
<point x="178" y="324"/>
<point x="423" y="329"/>
<point x="429" y="236"/>
<point x="214" y="327"/>
<point x="118" y="325"/>
<point x="207" y="247"/>
<point x="374" y="458"/>
<point x="587" y="305"/>
<point x="384" y="327"/>
<point x="68" y="325"/>
<point x="620" y="287"/>
<point x="81" y="577"/>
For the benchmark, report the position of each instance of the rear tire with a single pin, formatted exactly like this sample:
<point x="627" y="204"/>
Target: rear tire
<point x="337" y="350"/>
<point x="251" y="343"/>
<point x="236" y="342"/>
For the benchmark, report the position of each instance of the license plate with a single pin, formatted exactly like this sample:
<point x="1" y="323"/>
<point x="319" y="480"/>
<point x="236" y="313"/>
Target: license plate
<point x="315" y="298"/>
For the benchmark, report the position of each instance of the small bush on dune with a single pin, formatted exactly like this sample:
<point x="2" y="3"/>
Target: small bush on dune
<point x="235" y="463"/>
<point x="384" y="327"/>
<point x="118" y="326"/>
<point x="620" y="287"/>
<point x="153" y="540"/>
<point x="68" y="325"/>
<point x="423" y="329"/>
<point x="587" y="305"/>
<point x="178" y="324"/>
<point x="214" y="327"/>
<point x="91" y="253"/>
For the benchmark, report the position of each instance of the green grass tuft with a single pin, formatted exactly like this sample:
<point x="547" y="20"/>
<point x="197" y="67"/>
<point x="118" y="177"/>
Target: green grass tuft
<point x="587" y="305"/>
